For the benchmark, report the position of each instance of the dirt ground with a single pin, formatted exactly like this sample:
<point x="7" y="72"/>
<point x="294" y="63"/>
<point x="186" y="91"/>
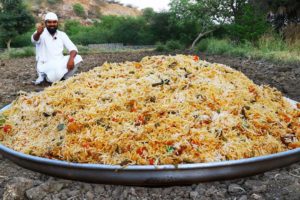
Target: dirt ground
<point x="19" y="183"/>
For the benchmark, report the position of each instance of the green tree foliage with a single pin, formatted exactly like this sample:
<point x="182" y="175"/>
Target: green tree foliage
<point x="201" y="16"/>
<point x="248" y="26"/>
<point x="187" y="22"/>
<point x="79" y="10"/>
<point x="111" y="29"/>
<point x="72" y="27"/>
<point x="15" y="19"/>
<point x="244" y="20"/>
<point x="159" y="25"/>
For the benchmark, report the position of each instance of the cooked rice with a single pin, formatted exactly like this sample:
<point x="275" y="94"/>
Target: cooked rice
<point x="162" y="110"/>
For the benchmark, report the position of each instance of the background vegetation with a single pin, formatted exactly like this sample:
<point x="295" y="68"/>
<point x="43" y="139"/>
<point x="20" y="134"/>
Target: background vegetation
<point x="251" y="28"/>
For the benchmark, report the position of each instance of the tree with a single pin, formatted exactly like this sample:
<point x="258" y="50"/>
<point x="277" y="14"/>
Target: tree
<point x="283" y="13"/>
<point x="207" y="15"/>
<point x="148" y="14"/>
<point x="249" y="25"/>
<point x="15" y="19"/>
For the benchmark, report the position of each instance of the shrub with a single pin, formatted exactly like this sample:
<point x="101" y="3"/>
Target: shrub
<point x="271" y="42"/>
<point x="215" y="46"/>
<point x="294" y="46"/>
<point x="160" y="47"/>
<point x="203" y="45"/>
<point x="79" y="10"/>
<point x="172" y="45"/>
<point x="21" y="53"/>
<point x="72" y="27"/>
<point x="22" y="40"/>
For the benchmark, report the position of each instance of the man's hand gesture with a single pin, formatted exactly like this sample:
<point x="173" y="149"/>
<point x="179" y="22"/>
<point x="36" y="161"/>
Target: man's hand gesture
<point x="40" y="28"/>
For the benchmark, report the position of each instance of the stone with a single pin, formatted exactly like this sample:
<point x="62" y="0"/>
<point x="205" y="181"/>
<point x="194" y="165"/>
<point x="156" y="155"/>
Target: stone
<point x="89" y="195"/>
<point x="259" y="189"/>
<point x="250" y="183"/>
<point x="194" y="194"/>
<point x="236" y="189"/>
<point x="132" y="191"/>
<point x="73" y="193"/>
<point x="244" y="197"/>
<point x="167" y="191"/>
<point x="99" y="189"/>
<point x="42" y="190"/>
<point x="256" y="196"/>
<point x="86" y="187"/>
<point x="293" y="191"/>
<point x="36" y="193"/>
<point x="117" y="192"/>
<point x="15" y="189"/>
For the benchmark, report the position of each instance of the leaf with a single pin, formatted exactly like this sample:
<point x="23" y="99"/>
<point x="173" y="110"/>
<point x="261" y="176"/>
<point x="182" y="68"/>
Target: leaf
<point x="60" y="127"/>
<point x="186" y="160"/>
<point x="125" y="162"/>
<point x="2" y="120"/>
<point x="170" y="149"/>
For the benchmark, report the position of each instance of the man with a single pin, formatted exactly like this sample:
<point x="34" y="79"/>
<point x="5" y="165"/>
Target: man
<point x="50" y="43"/>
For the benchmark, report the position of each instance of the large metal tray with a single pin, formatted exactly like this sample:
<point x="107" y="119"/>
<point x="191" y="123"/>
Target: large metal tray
<point x="149" y="175"/>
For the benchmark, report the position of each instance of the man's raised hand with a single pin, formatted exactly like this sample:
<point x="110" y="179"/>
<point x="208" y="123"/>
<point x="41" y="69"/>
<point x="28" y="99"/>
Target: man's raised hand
<point x="40" y="28"/>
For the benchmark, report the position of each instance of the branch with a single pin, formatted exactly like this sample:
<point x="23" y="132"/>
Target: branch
<point x="233" y="8"/>
<point x="200" y="36"/>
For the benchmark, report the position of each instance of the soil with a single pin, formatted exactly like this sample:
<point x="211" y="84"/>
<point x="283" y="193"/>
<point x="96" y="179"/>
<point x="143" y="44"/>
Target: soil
<point x="19" y="183"/>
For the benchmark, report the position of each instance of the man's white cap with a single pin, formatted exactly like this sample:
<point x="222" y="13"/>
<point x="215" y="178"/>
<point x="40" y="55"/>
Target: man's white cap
<point x="51" y="16"/>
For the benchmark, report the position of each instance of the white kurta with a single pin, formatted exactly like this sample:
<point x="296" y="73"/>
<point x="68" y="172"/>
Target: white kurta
<point x="49" y="54"/>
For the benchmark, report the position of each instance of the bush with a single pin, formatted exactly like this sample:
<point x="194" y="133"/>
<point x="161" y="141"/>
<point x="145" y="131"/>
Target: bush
<point x="21" y="53"/>
<point x="271" y="42"/>
<point x="160" y="47"/>
<point x="172" y="45"/>
<point x="72" y="27"/>
<point x="203" y="45"/>
<point x="23" y="40"/>
<point x="79" y="10"/>
<point x="215" y="46"/>
<point x="269" y="47"/>
<point x="294" y="46"/>
<point x="224" y="46"/>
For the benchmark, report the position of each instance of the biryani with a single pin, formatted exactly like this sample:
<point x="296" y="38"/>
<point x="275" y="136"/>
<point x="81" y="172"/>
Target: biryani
<point x="161" y="110"/>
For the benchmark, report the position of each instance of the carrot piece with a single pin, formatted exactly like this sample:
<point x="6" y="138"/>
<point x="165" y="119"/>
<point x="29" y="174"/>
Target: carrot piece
<point x="151" y="161"/>
<point x="196" y="58"/>
<point x="7" y="128"/>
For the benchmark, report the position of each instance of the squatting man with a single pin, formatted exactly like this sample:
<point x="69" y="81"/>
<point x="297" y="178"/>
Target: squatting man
<point x="52" y="65"/>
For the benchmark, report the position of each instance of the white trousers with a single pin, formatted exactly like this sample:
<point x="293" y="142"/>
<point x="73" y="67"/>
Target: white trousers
<point x="55" y="70"/>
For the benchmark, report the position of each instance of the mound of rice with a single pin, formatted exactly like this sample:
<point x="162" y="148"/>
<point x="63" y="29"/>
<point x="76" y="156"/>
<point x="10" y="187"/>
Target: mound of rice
<point x="162" y="110"/>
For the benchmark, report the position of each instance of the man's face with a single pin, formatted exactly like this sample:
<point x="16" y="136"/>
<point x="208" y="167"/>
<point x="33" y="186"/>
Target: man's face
<point x="52" y="26"/>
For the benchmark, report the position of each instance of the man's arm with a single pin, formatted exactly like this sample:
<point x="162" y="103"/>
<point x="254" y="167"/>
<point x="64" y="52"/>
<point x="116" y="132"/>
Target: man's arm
<point x="39" y="31"/>
<point x="72" y="51"/>
<point x="71" y="64"/>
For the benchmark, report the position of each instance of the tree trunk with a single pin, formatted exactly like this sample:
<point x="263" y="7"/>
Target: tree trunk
<point x="200" y="36"/>
<point x="8" y="44"/>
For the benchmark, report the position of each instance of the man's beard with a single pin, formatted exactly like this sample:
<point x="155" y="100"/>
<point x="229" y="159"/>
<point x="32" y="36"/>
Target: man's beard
<point x="52" y="30"/>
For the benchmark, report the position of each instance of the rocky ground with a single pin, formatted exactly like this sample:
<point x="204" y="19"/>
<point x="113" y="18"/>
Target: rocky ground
<point x="19" y="183"/>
